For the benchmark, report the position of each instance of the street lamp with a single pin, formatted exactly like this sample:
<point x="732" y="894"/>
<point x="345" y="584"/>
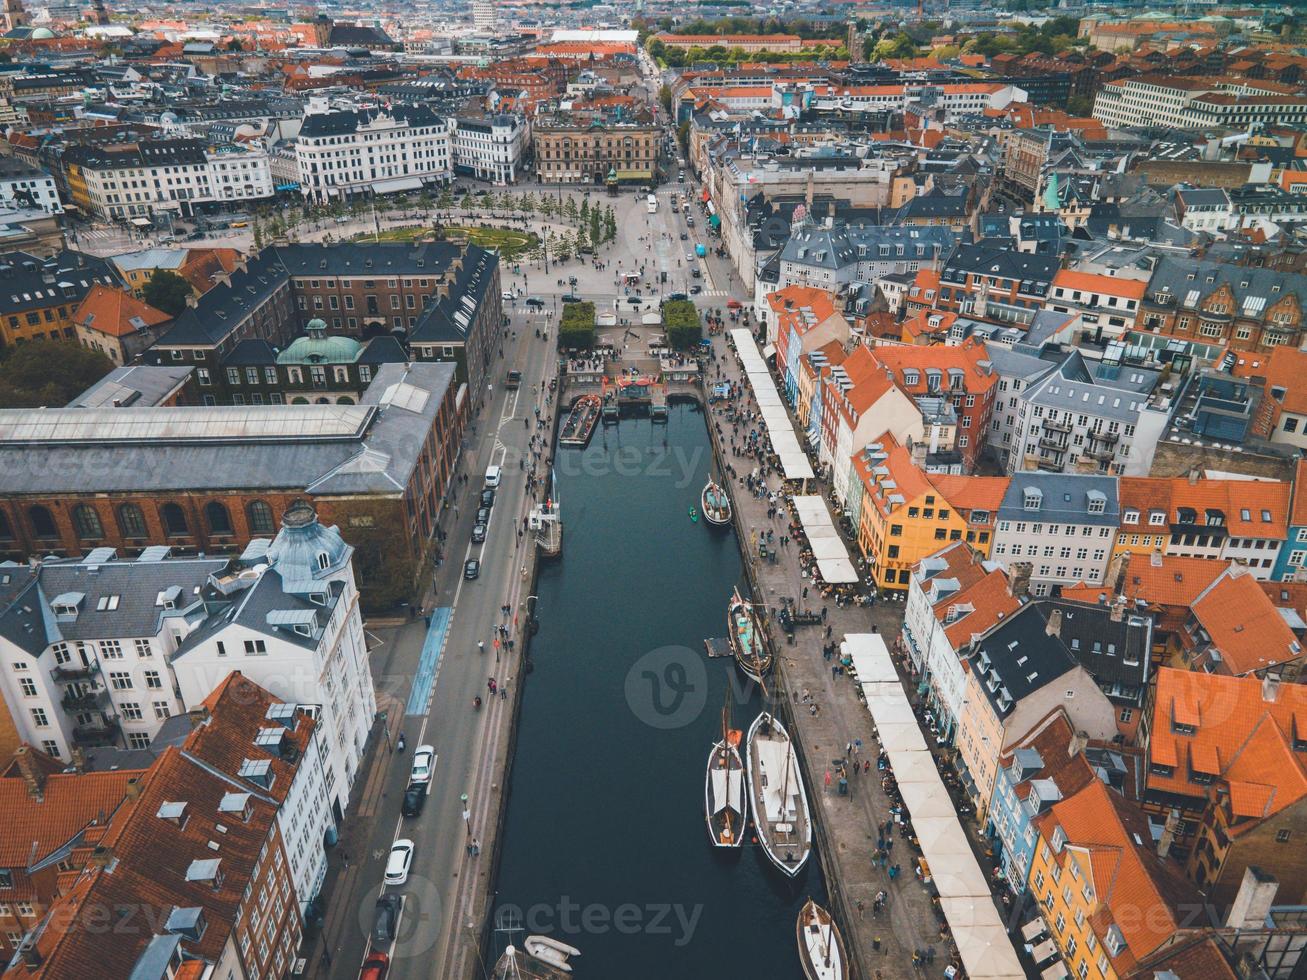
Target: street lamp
<point x="467" y="814"/>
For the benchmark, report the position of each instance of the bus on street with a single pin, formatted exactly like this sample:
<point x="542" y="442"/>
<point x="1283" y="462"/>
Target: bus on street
<point x="653" y="204"/>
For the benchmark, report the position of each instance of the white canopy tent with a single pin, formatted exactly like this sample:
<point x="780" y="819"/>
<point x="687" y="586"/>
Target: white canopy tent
<point x="964" y="894"/>
<point x="775" y="417"/>
<point x="834" y="566"/>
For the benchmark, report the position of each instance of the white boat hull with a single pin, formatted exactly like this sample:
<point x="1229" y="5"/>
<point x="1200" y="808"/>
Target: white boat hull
<point x="723" y="794"/>
<point x="821" y="947"/>
<point x="774" y="777"/>
<point x="551" y="951"/>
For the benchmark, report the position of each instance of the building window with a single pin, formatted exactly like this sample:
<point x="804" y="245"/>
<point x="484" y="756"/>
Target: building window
<point x="138" y="740"/>
<point x="153" y="680"/>
<point x="218" y="518"/>
<point x="1283" y="836"/>
<point x="27" y="686"/>
<point x="131" y="711"/>
<point x="255" y="648"/>
<point x="42" y="522"/>
<point x="120" y="681"/>
<point x="260" y="518"/>
<point x="86" y="522"/>
<point x="162" y="710"/>
<point x="131" y="521"/>
<point x="174" y="519"/>
<point x="39" y="718"/>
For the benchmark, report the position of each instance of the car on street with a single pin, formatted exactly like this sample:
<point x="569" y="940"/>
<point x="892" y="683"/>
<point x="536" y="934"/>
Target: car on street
<point x="507" y="297"/>
<point x="689" y="221"/>
<point x="488" y="497"/>
<point x="535" y="301"/>
<point x="695" y="273"/>
<point x="676" y="296"/>
<point x="689" y="257"/>
<point x="385" y="920"/>
<point x="483" y="515"/>
<point x="415" y="798"/>
<point x="685" y="237"/>
<point x="493" y="474"/>
<point x="424" y="761"/>
<point x="400" y="860"/>
<point x="571" y="280"/>
<point x="471" y="569"/>
<point x="478" y="533"/>
<point x="634" y="300"/>
<point x="696" y="289"/>
<point x="571" y="298"/>
<point x="375" y="967"/>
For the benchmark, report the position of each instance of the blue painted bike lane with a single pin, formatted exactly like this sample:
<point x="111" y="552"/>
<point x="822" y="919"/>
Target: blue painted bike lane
<point x="425" y="678"/>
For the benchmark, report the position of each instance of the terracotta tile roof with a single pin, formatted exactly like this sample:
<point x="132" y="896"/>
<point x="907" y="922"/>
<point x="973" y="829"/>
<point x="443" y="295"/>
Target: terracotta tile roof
<point x="968" y="358"/>
<point x="990" y="601"/>
<point x="1283" y="369"/>
<point x="1158" y="580"/>
<point x="1108" y="285"/>
<point x="1298" y="508"/>
<point x="1287" y="595"/>
<point x="1051" y="737"/>
<point x="1233" y="498"/>
<point x="69" y="803"/>
<point x="802" y="307"/>
<point x="116" y="312"/>
<point x="1200" y="960"/>
<point x="968" y="494"/>
<point x="868" y="380"/>
<point x="1114" y="837"/>
<point x="1225" y="713"/>
<point x="202" y="265"/>
<point x="1244" y="624"/>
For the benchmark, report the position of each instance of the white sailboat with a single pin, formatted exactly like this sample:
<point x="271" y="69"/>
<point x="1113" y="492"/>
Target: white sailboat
<point x="725" y="808"/>
<point x="821" y="947"/>
<point x="776" y="792"/>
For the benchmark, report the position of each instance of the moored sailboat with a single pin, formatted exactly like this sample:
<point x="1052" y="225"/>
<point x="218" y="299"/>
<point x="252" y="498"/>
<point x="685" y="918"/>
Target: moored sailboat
<point x="725" y="807"/>
<point x="821" y="947"/>
<point x="777" y="794"/>
<point x="748" y="644"/>
<point x="715" y="504"/>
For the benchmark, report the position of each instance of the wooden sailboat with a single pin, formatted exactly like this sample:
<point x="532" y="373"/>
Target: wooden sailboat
<point x="725" y="806"/>
<point x="715" y="504"/>
<point x="776" y="792"/>
<point x="821" y="947"/>
<point x="748" y="643"/>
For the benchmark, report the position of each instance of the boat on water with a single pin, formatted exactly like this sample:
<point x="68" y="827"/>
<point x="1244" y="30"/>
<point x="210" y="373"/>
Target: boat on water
<point x="821" y="947"/>
<point x="580" y="422"/>
<point x="551" y="951"/>
<point x="748" y="644"/>
<point x="780" y="803"/>
<point x="725" y="805"/>
<point x="715" y="504"/>
<point x="518" y="964"/>
<point x="694" y="514"/>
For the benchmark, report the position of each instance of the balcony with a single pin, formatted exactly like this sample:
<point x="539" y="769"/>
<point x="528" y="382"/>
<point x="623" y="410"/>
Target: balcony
<point x="1052" y="426"/>
<point x="104" y="732"/>
<point x="75" y="671"/>
<point x="1106" y="438"/>
<point x="74" y="700"/>
<point x="1053" y="443"/>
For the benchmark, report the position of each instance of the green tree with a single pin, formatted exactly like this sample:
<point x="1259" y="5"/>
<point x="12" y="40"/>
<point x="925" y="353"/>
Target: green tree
<point x="681" y="324"/>
<point x="446" y="199"/>
<point x="569" y="209"/>
<point x="167" y="291"/>
<point x="683" y="136"/>
<point x="48" y="373"/>
<point x="596" y="227"/>
<point x="548" y="206"/>
<point x="1080" y="105"/>
<point x="610" y="226"/>
<point x="576" y="327"/>
<point x="583" y="216"/>
<point x="665" y="97"/>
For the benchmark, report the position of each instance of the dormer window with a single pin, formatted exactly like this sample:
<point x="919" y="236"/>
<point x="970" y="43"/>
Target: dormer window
<point x="174" y="813"/>
<point x="1097" y="502"/>
<point x="324" y="561"/>
<point x="1130" y="517"/>
<point x="1059" y="840"/>
<point x="1032" y="498"/>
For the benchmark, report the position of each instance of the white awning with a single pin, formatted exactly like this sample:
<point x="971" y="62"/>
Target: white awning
<point x="1033" y="929"/>
<point x="775" y="417"/>
<point x="1046" y="951"/>
<point x="837" y="571"/>
<point x="827" y="546"/>
<point x="396" y="185"/>
<point x="143" y="222"/>
<point x="1056" y="972"/>
<point x="769" y="350"/>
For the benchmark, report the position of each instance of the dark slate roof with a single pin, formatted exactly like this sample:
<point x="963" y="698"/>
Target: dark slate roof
<point x="219" y="311"/>
<point x="449" y="320"/>
<point x="383" y="350"/>
<point x="352" y="35"/>
<point x="342" y="122"/>
<point x="360" y="258"/>
<point x="252" y="352"/>
<point x="1036" y="272"/>
<point x="28" y="282"/>
<point x="1065" y="498"/>
<point x="1173" y="275"/>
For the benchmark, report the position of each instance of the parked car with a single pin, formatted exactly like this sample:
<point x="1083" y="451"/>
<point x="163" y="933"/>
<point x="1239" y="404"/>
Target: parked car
<point x="472" y="569"/>
<point x="375" y="967"/>
<point x="488" y="497"/>
<point x="685" y="237"/>
<point x="483" y="515"/>
<point x="424" y="762"/>
<point x="493" y="474"/>
<point x="385" y="919"/>
<point x="696" y="289"/>
<point x="675" y="296"/>
<point x="478" y="533"/>
<point x="571" y="298"/>
<point x="400" y="860"/>
<point x="415" y="798"/>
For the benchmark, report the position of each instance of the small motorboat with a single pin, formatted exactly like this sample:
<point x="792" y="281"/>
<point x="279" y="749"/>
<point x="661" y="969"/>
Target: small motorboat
<point x="716" y="504"/>
<point x="748" y="644"/>
<point x="777" y="795"/>
<point x="821" y="947"/>
<point x="694" y="514"/>
<point x="551" y="951"/>
<point x="518" y="964"/>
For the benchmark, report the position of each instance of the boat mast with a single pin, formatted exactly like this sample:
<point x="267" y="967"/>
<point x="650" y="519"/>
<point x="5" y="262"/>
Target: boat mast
<point x="726" y="758"/>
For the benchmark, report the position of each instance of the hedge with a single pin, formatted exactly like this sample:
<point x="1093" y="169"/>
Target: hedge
<point x="681" y="323"/>
<point x="576" y="327"/>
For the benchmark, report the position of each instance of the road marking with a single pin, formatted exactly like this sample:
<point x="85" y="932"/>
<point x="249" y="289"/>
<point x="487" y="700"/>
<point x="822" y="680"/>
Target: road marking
<point x="429" y="661"/>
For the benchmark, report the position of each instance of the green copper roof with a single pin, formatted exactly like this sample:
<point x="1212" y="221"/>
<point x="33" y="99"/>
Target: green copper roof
<point x="321" y="350"/>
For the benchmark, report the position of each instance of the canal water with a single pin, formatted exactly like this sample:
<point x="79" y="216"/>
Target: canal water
<point x="605" y="845"/>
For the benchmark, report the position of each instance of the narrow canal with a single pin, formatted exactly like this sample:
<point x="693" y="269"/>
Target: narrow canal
<point x="605" y="844"/>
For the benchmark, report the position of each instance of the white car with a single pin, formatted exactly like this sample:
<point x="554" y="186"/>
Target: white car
<point x="401" y="859"/>
<point x="424" y="761"/>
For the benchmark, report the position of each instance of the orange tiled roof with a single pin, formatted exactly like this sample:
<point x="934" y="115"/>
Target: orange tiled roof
<point x="1158" y="580"/>
<point x="1234" y="722"/>
<point x="1233" y="498"/>
<point x="1110" y="285"/>
<point x="972" y="493"/>
<point x="1283" y="368"/>
<point x="116" y="312"/>
<point x="1244" y="624"/>
<point x="967" y="357"/>
<point x="990" y="601"/>
<point x="1102" y="826"/>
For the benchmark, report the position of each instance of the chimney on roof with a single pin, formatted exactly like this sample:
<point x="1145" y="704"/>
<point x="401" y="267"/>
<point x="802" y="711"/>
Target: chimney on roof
<point x="1019" y="579"/>
<point x="134" y="788"/>
<point x="1079" y="742"/>
<point x="198" y="715"/>
<point x="1194" y="476"/>
<point x="78" y="756"/>
<point x="192" y="300"/>
<point x="1054" y="625"/>
<point x="1117" y="613"/>
<point x="1252" y="903"/>
<point x="1168" y="832"/>
<point x="1270" y="688"/>
<point x="102" y="854"/>
<point x="33" y="777"/>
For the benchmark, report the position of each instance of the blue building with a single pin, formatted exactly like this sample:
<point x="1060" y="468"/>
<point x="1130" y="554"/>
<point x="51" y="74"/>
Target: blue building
<point x="1292" y="559"/>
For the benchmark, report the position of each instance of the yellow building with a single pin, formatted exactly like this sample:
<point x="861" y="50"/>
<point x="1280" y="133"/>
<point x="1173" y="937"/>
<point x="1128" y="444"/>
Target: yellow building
<point x="1107" y="898"/>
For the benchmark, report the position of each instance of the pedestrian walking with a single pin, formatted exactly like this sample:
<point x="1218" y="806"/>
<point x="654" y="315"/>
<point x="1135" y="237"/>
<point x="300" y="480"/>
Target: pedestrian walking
<point x="861" y="906"/>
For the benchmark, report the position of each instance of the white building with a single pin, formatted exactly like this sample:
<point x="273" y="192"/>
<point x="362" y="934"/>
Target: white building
<point x="139" y="180"/>
<point x="1195" y="103"/>
<point x="290" y="622"/>
<point x="99" y="651"/>
<point x="485" y="16"/>
<point x="23" y="186"/>
<point x="490" y="148"/>
<point x="1061" y="525"/>
<point x="345" y="152"/>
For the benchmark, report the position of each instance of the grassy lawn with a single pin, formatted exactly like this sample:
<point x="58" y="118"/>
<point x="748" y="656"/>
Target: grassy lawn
<point x="508" y="242"/>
